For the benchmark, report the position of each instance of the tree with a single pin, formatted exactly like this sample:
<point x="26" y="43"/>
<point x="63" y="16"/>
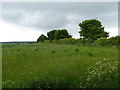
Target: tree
<point x="51" y="34"/>
<point x="42" y="38"/>
<point x="92" y="30"/>
<point x="64" y="34"/>
<point x="58" y="34"/>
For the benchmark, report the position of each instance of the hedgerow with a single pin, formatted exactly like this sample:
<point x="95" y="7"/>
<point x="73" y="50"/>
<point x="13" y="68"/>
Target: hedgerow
<point x="113" y="41"/>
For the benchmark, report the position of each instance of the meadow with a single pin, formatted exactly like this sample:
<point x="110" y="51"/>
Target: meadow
<point x="43" y="65"/>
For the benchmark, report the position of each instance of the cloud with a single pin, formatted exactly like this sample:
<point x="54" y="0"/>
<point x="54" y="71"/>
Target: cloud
<point x="54" y="15"/>
<point x="11" y="32"/>
<point x="37" y="19"/>
<point x="113" y="31"/>
<point x="46" y="16"/>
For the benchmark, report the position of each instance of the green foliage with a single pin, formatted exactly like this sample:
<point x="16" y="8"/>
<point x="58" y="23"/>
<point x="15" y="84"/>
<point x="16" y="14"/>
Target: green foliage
<point x="89" y="54"/>
<point x="53" y="51"/>
<point x="103" y="41"/>
<point x="42" y="38"/>
<point x="48" y="82"/>
<point x="51" y="34"/>
<point x="58" y="34"/>
<point x="113" y="41"/>
<point x="77" y="50"/>
<point x="102" y="74"/>
<point x="66" y="68"/>
<point x="47" y="41"/>
<point x="67" y="41"/>
<point x="55" y="41"/>
<point x="92" y="30"/>
<point x="36" y="49"/>
<point x="8" y="84"/>
<point x="63" y="34"/>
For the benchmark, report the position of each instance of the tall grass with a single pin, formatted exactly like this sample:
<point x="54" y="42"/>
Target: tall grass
<point x="51" y="66"/>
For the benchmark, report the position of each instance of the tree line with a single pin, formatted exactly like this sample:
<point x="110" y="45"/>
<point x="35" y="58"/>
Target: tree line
<point x="90" y="30"/>
<point x="55" y="34"/>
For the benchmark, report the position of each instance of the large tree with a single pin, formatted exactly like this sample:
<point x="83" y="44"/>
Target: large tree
<point x="92" y="30"/>
<point x="51" y="34"/>
<point x="42" y="38"/>
<point x="58" y="34"/>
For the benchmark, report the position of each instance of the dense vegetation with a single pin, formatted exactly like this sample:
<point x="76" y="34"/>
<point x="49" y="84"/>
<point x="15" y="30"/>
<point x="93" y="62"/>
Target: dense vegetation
<point x="92" y="33"/>
<point x="58" y="34"/>
<point x="112" y="41"/>
<point x="60" y="61"/>
<point x="41" y="65"/>
<point x="54" y="35"/>
<point x="42" y="38"/>
<point x="92" y="30"/>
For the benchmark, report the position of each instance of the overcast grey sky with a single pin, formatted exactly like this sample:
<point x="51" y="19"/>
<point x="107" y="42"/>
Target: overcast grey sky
<point x="32" y="19"/>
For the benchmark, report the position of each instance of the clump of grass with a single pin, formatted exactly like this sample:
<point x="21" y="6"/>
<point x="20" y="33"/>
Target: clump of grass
<point x="64" y="50"/>
<point x="36" y="49"/>
<point x="76" y="49"/>
<point x="89" y="54"/>
<point x="53" y="52"/>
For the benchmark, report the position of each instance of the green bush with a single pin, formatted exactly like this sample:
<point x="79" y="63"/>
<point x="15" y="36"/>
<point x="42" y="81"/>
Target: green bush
<point x="113" y="41"/>
<point x="101" y="42"/>
<point x="67" y="41"/>
<point x="102" y="74"/>
<point x="42" y="38"/>
<point x="55" y="41"/>
<point x="47" y="41"/>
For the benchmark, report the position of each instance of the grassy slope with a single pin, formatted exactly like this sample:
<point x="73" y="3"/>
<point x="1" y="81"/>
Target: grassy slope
<point x="64" y="62"/>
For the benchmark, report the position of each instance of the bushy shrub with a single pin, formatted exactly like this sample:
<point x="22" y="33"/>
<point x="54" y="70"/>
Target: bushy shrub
<point x="67" y="41"/>
<point x="47" y="41"/>
<point x="71" y="41"/>
<point x="102" y="74"/>
<point x="55" y="41"/>
<point x="8" y="83"/>
<point x="42" y="38"/>
<point x="79" y="42"/>
<point x="101" y="42"/>
<point x="113" y="41"/>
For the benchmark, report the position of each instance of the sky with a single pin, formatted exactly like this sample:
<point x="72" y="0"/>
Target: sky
<point x="26" y="21"/>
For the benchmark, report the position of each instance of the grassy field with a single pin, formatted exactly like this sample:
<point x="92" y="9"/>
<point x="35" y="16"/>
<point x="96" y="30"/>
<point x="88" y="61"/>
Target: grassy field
<point x="58" y="66"/>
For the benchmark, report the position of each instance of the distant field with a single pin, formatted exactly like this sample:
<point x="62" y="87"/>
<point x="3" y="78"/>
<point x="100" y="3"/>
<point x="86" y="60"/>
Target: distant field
<point x="58" y="66"/>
